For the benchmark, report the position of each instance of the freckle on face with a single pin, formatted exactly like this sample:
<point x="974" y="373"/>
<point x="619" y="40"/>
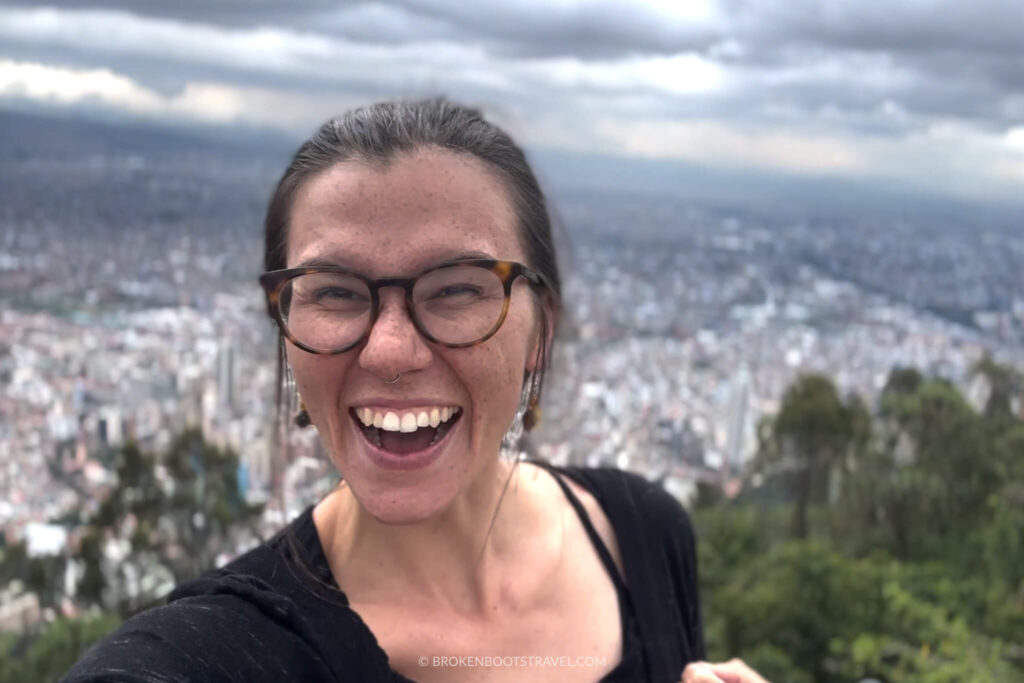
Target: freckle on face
<point x="397" y="220"/>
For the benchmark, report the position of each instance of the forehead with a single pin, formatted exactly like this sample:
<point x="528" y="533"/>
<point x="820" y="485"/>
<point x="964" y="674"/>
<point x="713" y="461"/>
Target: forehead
<point x="418" y="209"/>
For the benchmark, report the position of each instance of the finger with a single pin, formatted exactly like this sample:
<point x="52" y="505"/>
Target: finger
<point x="699" y="672"/>
<point x="736" y="671"/>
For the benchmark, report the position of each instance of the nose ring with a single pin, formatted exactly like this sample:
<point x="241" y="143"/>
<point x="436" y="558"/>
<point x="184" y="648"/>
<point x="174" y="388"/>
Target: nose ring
<point x="395" y="380"/>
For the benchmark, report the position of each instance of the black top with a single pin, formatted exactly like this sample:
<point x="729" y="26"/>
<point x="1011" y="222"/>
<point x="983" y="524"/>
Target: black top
<point x="276" y="614"/>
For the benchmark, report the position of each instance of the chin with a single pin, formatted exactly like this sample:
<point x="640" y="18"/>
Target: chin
<point x="398" y="492"/>
<point x="413" y="487"/>
<point x="404" y="505"/>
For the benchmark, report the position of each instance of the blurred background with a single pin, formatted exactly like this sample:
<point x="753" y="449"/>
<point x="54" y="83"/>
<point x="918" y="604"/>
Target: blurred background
<point x="792" y="236"/>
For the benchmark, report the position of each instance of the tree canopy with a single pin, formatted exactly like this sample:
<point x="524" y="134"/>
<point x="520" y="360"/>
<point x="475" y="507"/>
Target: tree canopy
<point x="170" y="515"/>
<point x="905" y="563"/>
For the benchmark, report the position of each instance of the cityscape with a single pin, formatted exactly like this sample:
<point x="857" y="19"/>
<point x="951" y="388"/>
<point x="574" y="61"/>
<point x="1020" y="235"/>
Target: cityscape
<point x="129" y="311"/>
<point x="790" y="239"/>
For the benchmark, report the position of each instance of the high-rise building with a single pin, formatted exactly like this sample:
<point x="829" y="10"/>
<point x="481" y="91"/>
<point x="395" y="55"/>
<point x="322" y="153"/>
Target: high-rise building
<point x="736" y="425"/>
<point x="226" y="376"/>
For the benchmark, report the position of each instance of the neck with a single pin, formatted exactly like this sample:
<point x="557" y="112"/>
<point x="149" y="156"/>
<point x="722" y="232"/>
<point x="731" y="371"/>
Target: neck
<point x="448" y="558"/>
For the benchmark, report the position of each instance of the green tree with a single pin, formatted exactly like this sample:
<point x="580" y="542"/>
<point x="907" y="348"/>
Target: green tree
<point x="795" y="598"/>
<point x="919" y="641"/>
<point x="902" y="381"/>
<point x="175" y="525"/>
<point x="205" y="504"/>
<point x="14" y="561"/>
<point x="940" y="486"/>
<point x="808" y="439"/>
<point x="90" y="553"/>
<point x="48" y="655"/>
<point x="923" y="578"/>
<point x="1005" y="385"/>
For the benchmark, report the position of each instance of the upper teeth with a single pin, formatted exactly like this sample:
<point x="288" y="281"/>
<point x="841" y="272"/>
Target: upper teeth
<point x="405" y="421"/>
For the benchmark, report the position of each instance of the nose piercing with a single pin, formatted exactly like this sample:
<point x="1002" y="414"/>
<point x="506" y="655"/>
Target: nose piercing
<point x="393" y="381"/>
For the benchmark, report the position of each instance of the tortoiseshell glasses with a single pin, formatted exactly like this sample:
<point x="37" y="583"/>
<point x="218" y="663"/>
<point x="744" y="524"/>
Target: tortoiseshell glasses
<point x="327" y="309"/>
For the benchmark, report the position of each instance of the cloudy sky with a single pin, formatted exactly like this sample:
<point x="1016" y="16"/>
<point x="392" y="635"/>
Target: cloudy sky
<point x="922" y="93"/>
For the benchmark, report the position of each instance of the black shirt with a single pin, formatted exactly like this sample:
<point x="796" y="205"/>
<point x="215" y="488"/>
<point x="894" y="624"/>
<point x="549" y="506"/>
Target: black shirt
<point x="276" y="613"/>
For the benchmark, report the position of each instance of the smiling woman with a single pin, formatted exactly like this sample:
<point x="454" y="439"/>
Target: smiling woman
<point x="412" y="275"/>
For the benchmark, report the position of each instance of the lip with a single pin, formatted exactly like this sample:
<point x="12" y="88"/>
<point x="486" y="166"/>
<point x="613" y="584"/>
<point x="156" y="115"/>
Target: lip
<point x="410" y="461"/>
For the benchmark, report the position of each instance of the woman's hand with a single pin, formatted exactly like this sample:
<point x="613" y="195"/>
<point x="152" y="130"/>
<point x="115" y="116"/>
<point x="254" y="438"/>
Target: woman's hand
<point x="733" y="671"/>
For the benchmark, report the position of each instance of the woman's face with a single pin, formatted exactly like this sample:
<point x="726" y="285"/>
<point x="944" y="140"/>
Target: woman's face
<point x="397" y="220"/>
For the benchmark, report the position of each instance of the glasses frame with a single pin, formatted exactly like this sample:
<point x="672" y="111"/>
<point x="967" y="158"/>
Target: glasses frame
<point x="507" y="271"/>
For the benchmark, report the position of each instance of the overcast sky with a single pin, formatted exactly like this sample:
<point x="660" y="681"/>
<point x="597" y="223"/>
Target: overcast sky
<point x="924" y="92"/>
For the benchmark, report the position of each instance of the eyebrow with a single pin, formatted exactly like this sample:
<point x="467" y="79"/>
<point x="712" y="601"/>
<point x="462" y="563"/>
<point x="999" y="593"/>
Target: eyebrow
<point x="323" y="262"/>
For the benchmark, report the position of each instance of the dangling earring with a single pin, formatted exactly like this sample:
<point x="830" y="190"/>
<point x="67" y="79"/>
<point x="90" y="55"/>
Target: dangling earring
<point x="302" y="418"/>
<point x="532" y="414"/>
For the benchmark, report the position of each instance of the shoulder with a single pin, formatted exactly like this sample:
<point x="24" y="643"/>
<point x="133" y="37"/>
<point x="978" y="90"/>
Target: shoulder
<point x="230" y="632"/>
<point x="592" y="508"/>
<point x="240" y="623"/>
<point x="655" y="534"/>
<point x="630" y="499"/>
<point x="659" y="550"/>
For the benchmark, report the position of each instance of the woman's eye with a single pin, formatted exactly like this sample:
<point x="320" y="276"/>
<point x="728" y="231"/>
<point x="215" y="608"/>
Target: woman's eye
<point x="456" y="290"/>
<point x="336" y="293"/>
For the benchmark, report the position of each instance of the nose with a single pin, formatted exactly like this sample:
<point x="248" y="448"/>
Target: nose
<point x="394" y="346"/>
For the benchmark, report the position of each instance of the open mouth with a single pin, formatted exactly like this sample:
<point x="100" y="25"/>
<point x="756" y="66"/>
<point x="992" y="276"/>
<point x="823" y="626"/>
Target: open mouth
<point x="406" y="431"/>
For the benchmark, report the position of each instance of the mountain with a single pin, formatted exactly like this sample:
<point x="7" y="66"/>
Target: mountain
<point x="28" y="134"/>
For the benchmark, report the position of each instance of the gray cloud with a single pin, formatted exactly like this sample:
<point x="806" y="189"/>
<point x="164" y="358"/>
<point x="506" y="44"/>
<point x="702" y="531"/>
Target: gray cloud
<point x="241" y="13"/>
<point x="595" y="29"/>
<point x="947" y="57"/>
<point x="599" y="29"/>
<point x="359" y="20"/>
<point x="843" y="75"/>
<point x="989" y="26"/>
<point x="606" y="28"/>
<point x="960" y="59"/>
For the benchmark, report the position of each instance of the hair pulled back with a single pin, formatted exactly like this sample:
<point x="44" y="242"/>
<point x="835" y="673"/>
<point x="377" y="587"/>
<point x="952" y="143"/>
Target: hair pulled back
<point x="380" y="132"/>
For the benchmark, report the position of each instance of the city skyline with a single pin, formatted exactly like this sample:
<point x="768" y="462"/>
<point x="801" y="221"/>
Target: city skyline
<point x="760" y="210"/>
<point x="683" y="323"/>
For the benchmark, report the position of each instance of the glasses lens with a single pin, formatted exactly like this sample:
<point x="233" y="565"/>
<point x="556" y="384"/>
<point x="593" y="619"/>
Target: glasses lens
<point x="459" y="304"/>
<point x="326" y="311"/>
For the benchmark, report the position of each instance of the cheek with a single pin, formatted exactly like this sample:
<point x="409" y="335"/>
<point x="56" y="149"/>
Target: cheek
<point x="497" y="377"/>
<point x="317" y="379"/>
